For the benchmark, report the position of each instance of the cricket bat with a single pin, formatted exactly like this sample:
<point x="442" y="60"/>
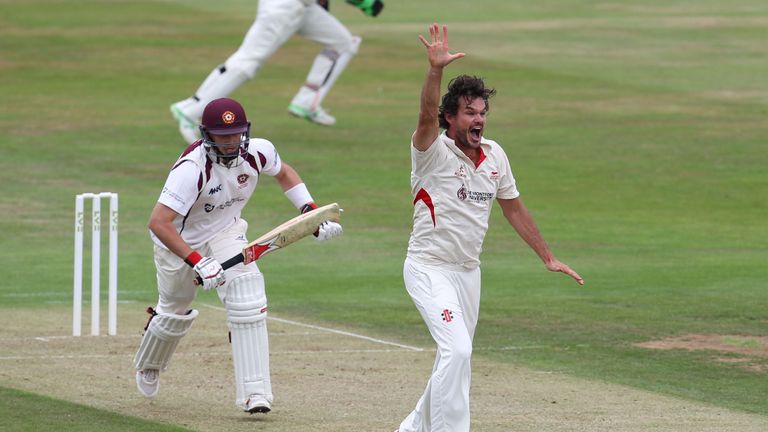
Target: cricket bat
<point x="286" y="233"/>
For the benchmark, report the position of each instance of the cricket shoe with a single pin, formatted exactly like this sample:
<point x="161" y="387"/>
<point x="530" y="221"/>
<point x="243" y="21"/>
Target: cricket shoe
<point x="319" y="115"/>
<point x="257" y="404"/>
<point x="148" y="382"/>
<point x="187" y="127"/>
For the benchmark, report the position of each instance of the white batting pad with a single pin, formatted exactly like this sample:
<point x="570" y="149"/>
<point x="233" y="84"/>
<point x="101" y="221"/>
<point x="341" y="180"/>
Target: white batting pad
<point x="161" y="338"/>
<point x="246" y="306"/>
<point x="325" y="70"/>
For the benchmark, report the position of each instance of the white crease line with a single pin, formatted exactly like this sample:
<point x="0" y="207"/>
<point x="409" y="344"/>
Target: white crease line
<point x="330" y="330"/>
<point x="198" y="354"/>
<point x="272" y="353"/>
<point x="58" y="357"/>
<point x="83" y="337"/>
<point x="218" y="308"/>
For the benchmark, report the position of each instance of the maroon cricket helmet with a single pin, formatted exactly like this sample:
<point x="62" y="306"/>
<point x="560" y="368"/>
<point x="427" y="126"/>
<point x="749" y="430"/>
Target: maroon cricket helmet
<point x="224" y="117"/>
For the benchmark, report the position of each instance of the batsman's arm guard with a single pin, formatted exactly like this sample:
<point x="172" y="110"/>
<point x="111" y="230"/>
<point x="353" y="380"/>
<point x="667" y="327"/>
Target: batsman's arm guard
<point x="369" y="7"/>
<point x="163" y="334"/>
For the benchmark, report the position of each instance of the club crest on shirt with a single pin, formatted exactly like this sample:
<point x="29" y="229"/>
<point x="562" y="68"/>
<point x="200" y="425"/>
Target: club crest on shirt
<point x="462" y="193"/>
<point x="494" y="175"/>
<point x="242" y="179"/>
<point x="460" y="172"/>
<point x="447" y="315"/>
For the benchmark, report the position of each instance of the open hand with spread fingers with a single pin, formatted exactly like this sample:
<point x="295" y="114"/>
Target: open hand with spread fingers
<point x="437" y="50"/>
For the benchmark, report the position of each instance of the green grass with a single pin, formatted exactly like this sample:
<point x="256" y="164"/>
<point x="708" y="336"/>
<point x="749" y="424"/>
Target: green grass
<point x="636" y="131"/>
<point x="23" y="411"/>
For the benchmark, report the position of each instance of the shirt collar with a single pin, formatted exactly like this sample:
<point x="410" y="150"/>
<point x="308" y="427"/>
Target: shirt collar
<point x="485" y="148"/>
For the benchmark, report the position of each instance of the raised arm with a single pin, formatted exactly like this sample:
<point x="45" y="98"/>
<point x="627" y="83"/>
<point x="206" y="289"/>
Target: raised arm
<point x="439" y="57"/>
<point x="519" y="217"/>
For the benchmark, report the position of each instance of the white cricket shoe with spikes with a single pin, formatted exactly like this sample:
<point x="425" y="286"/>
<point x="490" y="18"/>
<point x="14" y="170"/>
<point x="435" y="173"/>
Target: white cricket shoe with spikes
<point x="148" y="382"/>
<point x="319" y="115"/>
<point x="257" y="404"/>
<point x="188" y="128"/>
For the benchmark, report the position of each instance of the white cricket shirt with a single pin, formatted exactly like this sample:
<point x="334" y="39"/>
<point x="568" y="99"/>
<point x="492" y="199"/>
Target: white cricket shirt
<point x="208" y="196"/>
<point x="452" y="200"/>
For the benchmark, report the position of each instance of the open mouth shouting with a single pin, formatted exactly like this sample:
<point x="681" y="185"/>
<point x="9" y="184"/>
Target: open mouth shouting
<point x="475" y="132"/>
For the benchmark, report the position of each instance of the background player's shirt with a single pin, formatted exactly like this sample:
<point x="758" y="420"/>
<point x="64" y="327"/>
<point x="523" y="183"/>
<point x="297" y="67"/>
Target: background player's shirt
<point x="209" y="197"/>
<point x="452" y="200"/>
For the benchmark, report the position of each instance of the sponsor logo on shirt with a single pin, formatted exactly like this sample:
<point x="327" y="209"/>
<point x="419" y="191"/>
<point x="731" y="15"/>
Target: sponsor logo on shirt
<point x="211" y="207"/>
<point x="494" y="175"/>
<point x="176" y="197"/>
<point x="460" y="172"/>
<point x="214" y="190"/>
<point x="447" y="315"/>
<point x="465" y="194"/>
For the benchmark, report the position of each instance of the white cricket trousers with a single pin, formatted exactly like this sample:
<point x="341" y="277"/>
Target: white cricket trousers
<point x="175" y="279"/>
<point x="449" y="303"/>
<point x="278" y="20"/>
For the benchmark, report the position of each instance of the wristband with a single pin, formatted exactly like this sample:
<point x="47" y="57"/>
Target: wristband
<point x="307" y="207"/>
<point x="193" y="258"/>
<point x="299" y="195"/>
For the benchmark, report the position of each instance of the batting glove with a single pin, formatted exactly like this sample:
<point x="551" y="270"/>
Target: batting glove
<point x="328" y="230"/>
<point x="209" y="271"/>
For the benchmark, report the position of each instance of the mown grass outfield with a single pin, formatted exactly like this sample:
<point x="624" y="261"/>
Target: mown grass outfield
<point x="636" y="131"/>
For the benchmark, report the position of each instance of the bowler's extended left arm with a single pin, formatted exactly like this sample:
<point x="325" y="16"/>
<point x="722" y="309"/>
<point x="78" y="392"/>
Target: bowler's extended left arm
<point x="519" y="217"/>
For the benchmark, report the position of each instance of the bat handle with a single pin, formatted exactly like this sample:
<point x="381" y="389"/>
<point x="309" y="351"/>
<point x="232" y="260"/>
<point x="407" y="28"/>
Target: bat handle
<point x="235" y="260"/>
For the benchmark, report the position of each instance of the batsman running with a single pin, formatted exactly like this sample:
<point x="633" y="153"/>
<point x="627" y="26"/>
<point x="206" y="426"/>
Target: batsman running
<point x="455" y="177"/>
<point x="195" y="225"/>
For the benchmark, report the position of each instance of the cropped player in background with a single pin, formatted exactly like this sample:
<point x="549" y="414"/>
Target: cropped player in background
<point x="455" y="177"/>
<point x="195" y="224"/>
<point x="276" y="21"/>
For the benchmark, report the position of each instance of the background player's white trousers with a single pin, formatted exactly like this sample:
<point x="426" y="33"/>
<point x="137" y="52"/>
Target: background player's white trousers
<point x="277" y="21"/>
<point x="449" y="303"/>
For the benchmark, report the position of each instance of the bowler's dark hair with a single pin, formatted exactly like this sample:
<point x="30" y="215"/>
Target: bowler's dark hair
<point x="463" y="86"/>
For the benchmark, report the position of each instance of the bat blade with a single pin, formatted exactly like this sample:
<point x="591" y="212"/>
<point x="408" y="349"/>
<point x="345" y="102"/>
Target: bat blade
<point x="291" y="231"/>
<point x="283" y="235"/>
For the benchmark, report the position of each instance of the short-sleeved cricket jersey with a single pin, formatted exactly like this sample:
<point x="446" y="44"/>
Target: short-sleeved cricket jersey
<point x="452" y="200"/>
<point x="208" y="196"/>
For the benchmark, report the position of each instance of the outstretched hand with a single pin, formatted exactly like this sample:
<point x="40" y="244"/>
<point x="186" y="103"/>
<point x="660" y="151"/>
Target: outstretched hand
<point x="557" y="266"/>
<point x="437" y="50"/>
